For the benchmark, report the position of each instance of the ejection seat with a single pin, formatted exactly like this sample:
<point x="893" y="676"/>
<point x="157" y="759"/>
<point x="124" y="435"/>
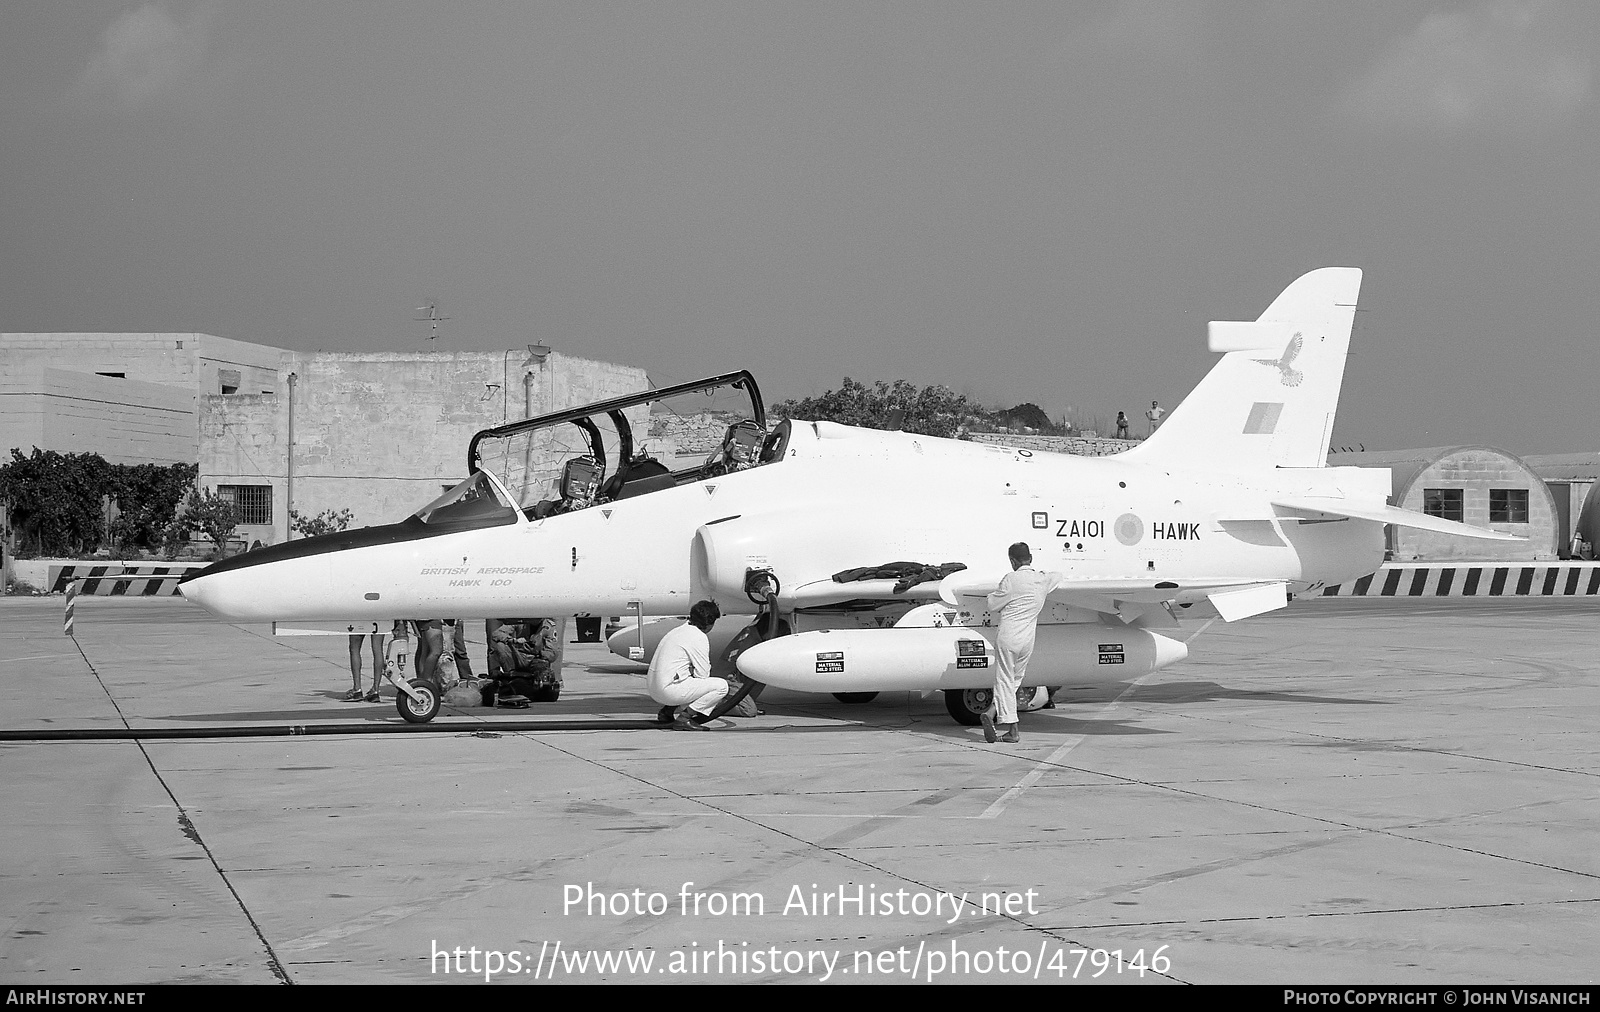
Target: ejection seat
<point x="580" y="481"/>
<point x="741" y="448"/>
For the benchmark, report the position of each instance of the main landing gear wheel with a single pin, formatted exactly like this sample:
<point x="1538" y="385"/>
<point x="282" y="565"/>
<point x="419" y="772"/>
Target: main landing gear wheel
<point x="855" y="697"/>
<point x="1033" y="697"/>
<point x="966" y="705"/>
<point x="417" y="711"/>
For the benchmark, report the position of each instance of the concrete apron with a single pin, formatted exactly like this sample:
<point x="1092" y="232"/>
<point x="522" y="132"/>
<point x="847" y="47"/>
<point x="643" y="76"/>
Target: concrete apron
<point x="1341" y="792"/>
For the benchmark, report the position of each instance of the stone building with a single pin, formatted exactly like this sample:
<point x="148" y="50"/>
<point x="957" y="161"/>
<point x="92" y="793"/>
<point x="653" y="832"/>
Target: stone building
<point x="380" y="434"/>
<point x="132" y="398"/>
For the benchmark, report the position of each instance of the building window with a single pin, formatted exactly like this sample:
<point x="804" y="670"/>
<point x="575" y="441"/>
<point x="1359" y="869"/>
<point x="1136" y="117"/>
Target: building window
<point x="1443" y="502"/>
<point x="252" y="503"/>
<point x="1508" y="505"/>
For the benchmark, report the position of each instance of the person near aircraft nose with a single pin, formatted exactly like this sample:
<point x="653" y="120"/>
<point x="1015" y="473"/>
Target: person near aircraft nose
<point x="430" y="646"/>
<point x="1122" y="425"/>
<point x="355" y="695"/>
<point x="1019" y="601"/>
<point x="525" y="658"/>
<point x="458" y="646"/>
<point x="680" y="670"/>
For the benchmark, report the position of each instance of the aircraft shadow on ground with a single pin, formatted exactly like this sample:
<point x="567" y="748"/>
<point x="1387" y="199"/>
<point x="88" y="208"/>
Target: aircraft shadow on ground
<point x="383" y="711"/>
<point x="1044" y="723"/>
<point x="1207" y="692"/>
<point x="619" y="668"/>
<point x="1057" y="722"/>
<point x="1031" y="731"/>
<point x="581" y="707"/>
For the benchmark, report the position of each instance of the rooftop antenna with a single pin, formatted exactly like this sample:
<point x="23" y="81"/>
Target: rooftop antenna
<point x="430" y="315"/>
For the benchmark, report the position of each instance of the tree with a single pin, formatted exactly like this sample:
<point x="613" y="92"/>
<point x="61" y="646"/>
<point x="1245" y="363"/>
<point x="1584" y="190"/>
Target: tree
<point x="1028" y="415"/>
<point x="212" y="516"/>
<point x="55" y="500"/>
<point x="147" y="500"/>
<point x="932" y="410"/>
<point x="326" y="522"/>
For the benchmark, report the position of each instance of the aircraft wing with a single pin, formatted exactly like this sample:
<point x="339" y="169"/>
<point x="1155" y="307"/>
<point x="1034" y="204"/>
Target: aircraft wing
<point x="969" y="589"/>
<point x="1328" y="507"/>
<point x="1131" y="601"/>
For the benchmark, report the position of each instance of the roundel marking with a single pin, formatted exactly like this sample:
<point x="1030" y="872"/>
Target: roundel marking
<point x="1129" y="529"/>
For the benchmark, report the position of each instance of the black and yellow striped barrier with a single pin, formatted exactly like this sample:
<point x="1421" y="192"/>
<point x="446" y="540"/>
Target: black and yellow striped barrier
<point x="1474" y="579"/>
<point x="115" y="580"/>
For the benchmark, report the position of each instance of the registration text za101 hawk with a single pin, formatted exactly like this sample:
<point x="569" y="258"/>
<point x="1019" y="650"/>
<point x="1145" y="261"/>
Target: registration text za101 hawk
<point x="1224" y="511"/>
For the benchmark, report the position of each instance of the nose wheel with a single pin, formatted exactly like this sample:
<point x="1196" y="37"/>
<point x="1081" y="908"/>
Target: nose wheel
<point x="422" y="704"/>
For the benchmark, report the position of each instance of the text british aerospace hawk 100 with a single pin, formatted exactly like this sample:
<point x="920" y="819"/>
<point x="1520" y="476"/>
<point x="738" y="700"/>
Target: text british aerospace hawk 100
<point x="1227" y="509"/>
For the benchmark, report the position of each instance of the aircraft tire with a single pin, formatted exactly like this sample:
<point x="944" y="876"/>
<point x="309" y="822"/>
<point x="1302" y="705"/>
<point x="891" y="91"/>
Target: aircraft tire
<point x="1033" y="697"/>
<point x="855" y="697"/>
<point x="966" y="705"/>
<point x="414" y="712"/>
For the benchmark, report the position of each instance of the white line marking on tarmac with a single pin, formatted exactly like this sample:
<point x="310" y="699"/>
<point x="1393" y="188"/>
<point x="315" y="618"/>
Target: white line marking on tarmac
<point x="382" y="918"/>
<point x="1048" y="762"/>
<point x="36" y="657"/>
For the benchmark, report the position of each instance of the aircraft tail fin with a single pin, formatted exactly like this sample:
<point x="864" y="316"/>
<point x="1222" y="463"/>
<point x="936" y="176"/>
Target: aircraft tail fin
<point x="1270" y="402"/>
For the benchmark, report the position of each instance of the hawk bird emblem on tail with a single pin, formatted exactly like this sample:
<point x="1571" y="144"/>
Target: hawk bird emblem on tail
<point x="1287" y="374"/>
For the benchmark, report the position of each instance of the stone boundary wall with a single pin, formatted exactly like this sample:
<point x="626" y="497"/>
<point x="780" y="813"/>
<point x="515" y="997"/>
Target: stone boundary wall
<point x="1076" y="445"/>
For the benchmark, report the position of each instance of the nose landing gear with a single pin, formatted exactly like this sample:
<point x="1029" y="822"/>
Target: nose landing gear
<point x="421" y="704"/>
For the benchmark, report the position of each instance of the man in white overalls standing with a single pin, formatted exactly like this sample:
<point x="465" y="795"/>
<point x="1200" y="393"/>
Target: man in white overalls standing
<point x="1019" y="601"/>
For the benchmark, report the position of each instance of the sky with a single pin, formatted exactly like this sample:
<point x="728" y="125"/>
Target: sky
<point x="1024" y="202"/>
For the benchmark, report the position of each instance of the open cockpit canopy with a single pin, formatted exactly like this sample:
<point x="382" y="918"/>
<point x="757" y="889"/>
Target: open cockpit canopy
<point x="630" y="445"/>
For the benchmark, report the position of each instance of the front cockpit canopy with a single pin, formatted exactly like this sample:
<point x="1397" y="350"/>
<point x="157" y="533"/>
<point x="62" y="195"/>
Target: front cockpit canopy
<point x="476" y="502"/>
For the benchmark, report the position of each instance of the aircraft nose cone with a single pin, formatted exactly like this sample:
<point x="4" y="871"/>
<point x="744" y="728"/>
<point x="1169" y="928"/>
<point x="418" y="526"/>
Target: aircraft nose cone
<point x="198" y="588"/>
<point x="223" y="594"/>
<point x="258" y="587"/>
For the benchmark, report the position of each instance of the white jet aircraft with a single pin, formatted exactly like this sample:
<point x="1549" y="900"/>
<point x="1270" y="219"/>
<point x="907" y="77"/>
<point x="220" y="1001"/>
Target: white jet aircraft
<point x="877" y="548"/>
